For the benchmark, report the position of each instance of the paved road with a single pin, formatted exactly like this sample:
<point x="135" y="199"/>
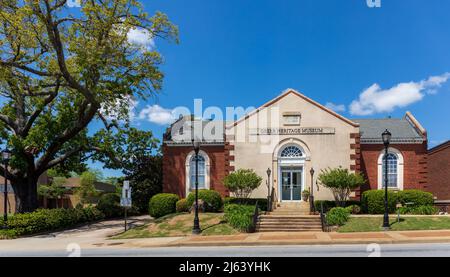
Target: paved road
<point x="390" y="250"/>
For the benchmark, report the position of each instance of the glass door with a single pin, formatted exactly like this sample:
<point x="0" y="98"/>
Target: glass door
<point x="291" y="184"/>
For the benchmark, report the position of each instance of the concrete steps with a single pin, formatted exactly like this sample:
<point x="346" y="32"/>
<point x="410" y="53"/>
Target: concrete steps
<point x="289" y="217"/>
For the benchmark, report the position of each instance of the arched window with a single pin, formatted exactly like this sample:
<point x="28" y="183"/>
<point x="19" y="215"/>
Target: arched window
<point x="291" y="152"/>
<point x="201" y="172"/>
<point x="392" y="170"/>
<point x="394" y="160"/>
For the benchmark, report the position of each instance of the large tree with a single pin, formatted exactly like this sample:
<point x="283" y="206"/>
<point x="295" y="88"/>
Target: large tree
<point x="62" y="68"/>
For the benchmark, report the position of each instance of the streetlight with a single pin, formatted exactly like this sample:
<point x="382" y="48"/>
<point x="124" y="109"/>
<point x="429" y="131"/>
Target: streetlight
<point x="312" y="208"/>
<point x="386" y="136"/>
<point x="196" y="229"/>
<point x="6" y="157"/>
<point x="269" y="198"/>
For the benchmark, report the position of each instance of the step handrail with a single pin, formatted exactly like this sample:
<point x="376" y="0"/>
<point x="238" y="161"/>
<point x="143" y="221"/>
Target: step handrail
<point x="323" y="219"/>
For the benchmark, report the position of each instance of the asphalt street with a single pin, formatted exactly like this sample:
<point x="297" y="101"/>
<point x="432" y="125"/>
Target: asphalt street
<point x="372" y="250"/>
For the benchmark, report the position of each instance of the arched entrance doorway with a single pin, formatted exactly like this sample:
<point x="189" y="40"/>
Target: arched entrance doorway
<point x="291" y="162"/>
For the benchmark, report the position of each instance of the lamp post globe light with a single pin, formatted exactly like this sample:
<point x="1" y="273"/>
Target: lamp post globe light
<point x="6" y="157"/>
<point x="386" y="136"/>
<point x="312" y="208"/>
<point x="196" y="229"/>
<point x="269" y="200"/>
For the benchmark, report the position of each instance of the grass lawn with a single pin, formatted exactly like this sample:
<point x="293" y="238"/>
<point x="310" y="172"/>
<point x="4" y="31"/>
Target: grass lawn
<point x="180" y="225"/>
<point x="373" y="224"/>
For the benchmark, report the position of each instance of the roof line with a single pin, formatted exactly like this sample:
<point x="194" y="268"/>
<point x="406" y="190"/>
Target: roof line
<point x="282" y="95"/>
<point x="439" y="147"/>
<point x="411" y="119"/>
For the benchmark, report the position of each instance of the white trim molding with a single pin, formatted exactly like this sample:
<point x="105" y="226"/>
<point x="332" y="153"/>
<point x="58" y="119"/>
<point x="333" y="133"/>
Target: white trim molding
<point x="188" y="170"/>
<point x="400" y="170"/>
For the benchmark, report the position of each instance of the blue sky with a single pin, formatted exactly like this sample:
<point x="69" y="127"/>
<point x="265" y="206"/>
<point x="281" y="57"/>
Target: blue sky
<point x="243" y="53"/>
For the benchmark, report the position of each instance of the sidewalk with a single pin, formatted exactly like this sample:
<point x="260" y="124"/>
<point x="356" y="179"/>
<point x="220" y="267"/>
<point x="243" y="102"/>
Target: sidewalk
<point x="304" y="238"/>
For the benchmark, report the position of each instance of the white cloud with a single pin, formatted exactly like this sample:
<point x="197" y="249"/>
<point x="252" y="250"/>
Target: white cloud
<point x="157" y="114"/>
<point x="141" y="37"/>
<point x="335" y="107"/>
<point x="376" y="100"/>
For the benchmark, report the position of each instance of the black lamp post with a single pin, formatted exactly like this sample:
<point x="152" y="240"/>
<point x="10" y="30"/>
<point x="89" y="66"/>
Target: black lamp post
<point x="6" y="156"/>
<point x="269" y="198"/>
<point x="312" y="208"/>
<point x="386" y="136"/>
<point x="196" y="229"/>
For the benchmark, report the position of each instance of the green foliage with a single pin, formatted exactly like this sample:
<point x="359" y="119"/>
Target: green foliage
<point x="419" y="210"/>
<point x="146" y="180"/>
<point x="87" y="189"/>
<point x="416" y="197"/>
<point x="109" y="204"/>
<point x="240" y="216"/>
<point x="242" y="182"/>
<point x="60" y="71"/>
<point x="341" y="182"/>
<point x="162" y="204"/>
<point x="327" y="205"/>
<point x="182" y="206"/>
<point x="354" y="209"/>
<point x="338" y="216"/>
<point x="372" y="201"/>
<point x="211" y="198"/>
<point x="262" y="202"/>
<point x="43" y="220"/>
<point x="53" y="191"/>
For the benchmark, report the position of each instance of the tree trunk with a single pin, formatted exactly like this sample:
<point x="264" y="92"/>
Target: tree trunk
<point x="26" y="196"/>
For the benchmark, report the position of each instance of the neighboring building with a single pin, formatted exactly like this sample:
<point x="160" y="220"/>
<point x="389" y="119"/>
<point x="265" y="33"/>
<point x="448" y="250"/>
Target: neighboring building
<point x="294" y="134"/>
<point x="43" y="179"/>
<point x="71" y="199"/>
<point x="439" y="171"/>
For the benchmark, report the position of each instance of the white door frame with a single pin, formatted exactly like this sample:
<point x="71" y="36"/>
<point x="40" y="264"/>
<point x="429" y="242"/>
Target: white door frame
<point x="301" y="167"/>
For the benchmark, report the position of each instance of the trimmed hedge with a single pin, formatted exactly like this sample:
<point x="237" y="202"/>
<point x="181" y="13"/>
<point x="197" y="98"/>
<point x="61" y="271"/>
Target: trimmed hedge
<point x="182" y="206"/>
<point x="262" y="202"/>
<point x="211" y="198"/>
<point x="43" y="220"/>
<point x="373" y="200"/>
<point x="354" y="209"/>
<point x="338" y="216"/>
<point x="162" y="204"/>
<point x="109" y="205"/>
<point x="328" y="204"/>
<point x="240" y="217"/>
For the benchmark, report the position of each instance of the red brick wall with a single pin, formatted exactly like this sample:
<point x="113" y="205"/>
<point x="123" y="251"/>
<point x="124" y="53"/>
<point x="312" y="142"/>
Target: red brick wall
<point x="439" y="172"/>
<point x="174" y="168"/>
<point x="414" y="167"/>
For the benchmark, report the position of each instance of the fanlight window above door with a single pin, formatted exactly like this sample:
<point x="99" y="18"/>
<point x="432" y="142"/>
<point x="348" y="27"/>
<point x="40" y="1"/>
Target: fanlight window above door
<point x="291" y="152"/>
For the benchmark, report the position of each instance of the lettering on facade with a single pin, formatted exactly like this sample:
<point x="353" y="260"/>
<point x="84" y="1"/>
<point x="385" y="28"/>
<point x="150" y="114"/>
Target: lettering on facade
<point x="293" y="131"/>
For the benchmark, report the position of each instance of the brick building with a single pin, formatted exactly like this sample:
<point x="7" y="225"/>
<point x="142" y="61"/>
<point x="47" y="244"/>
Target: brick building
<point x="439" y="166"/>
<point x="290" y="135"/>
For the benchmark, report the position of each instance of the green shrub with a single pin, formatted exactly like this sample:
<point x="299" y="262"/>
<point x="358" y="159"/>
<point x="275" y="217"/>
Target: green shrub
<point x="162" y="204"/>
<point x="43" y="220"/>
<point x="416" y="197"/>
<point x="328" y="204"/>
<point x="354" y="209"/>
<point x="338" y="216"/>
<point x="372" y="201"/>
<point x="182" y="206"/>
<point x="419" y="210"/>
<point x="211" y="198"/>
<point x="242" y="182"/>
<point x="109" y="204"/>
<point x="262" y="202"/>
<point x="240" y="217"/>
